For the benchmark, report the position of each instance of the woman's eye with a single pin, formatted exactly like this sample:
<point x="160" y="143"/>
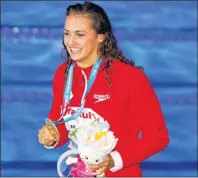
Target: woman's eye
<point x="80" y="35"/>
<point x="97" y="160"/>
<point x="86" y="157"/>
<point x="66" y="34"/>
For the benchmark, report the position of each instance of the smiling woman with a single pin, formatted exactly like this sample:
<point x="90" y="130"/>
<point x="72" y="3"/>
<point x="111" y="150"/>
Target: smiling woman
<point x="107" y="87"/>
<point x="81" y="40"/>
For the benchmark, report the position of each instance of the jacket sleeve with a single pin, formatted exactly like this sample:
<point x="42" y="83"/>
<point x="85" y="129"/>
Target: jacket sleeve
<point x="54" y="114"/>
<point x="148" y="116"/>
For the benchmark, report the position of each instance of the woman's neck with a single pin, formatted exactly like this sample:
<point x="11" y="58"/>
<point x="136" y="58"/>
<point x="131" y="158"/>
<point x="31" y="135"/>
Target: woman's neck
<point x="87" y="62"/>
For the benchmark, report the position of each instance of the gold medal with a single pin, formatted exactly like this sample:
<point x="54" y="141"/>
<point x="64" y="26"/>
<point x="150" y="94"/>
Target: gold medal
<point x="52" y="129"/>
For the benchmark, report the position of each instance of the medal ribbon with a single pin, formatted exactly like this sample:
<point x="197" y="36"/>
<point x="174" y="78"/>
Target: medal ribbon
<point x="68" y="88"/>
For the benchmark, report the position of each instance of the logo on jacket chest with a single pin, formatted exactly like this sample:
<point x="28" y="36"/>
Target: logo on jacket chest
<point x="101" y="98"/>
<point x="87" y="113"/>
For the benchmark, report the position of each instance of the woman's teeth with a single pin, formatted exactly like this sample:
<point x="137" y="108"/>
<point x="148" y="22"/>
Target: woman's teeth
<point x="75" y="50"/>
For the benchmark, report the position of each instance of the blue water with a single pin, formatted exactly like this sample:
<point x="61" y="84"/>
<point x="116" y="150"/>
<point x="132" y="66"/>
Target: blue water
<point x="160" y="36"/>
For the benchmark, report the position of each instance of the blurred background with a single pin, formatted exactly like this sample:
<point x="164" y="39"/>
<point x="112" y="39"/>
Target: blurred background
<point x="160" y="36"/>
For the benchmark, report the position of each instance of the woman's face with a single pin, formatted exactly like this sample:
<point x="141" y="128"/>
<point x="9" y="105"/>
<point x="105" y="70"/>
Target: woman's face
<point x="80" y="38"/>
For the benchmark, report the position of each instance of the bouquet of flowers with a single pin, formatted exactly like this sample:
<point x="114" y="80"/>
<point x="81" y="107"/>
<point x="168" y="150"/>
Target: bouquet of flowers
<point x="93" y="142"/>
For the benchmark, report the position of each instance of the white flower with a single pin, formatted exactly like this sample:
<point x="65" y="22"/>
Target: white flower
<point x="95" y="143"/>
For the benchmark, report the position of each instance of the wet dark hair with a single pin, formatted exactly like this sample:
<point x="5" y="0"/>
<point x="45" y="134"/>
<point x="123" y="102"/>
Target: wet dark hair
<point x="102" y="25"/>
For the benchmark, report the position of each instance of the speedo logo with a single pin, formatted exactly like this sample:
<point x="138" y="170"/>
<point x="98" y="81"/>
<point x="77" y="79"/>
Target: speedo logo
<point x="101" y="97"/>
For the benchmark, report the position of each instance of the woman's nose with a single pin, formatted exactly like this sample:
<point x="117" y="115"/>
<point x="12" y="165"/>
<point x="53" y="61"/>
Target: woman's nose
<point x="71" y="41"/>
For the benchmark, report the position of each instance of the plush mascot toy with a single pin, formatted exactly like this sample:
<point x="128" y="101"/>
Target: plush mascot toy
<point x="92" y="144"/>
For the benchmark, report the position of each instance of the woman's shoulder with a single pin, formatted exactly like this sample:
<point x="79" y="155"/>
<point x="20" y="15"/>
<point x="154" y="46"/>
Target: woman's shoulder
<point x="61" y="67"/>
<point x="126" y="69"/>
<point x="131" y="74"/>
<point x="60" y="72"/>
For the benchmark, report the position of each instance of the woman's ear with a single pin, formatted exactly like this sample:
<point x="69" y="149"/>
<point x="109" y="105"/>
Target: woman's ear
<point x="101" y="38"/>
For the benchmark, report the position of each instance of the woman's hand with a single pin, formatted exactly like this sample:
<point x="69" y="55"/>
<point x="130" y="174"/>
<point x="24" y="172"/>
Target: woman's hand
<point x="45" y="136"/>
<point x="108" y="163"/>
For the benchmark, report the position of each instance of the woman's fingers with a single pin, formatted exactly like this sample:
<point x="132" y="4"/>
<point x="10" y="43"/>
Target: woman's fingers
<point x="45" y="137"/>
<point x="108" y="163"/>
<point x="101" y="171"/>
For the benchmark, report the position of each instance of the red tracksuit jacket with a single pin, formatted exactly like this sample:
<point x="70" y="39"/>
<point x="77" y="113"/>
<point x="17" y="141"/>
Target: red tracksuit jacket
<point x="130" y="106"/>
